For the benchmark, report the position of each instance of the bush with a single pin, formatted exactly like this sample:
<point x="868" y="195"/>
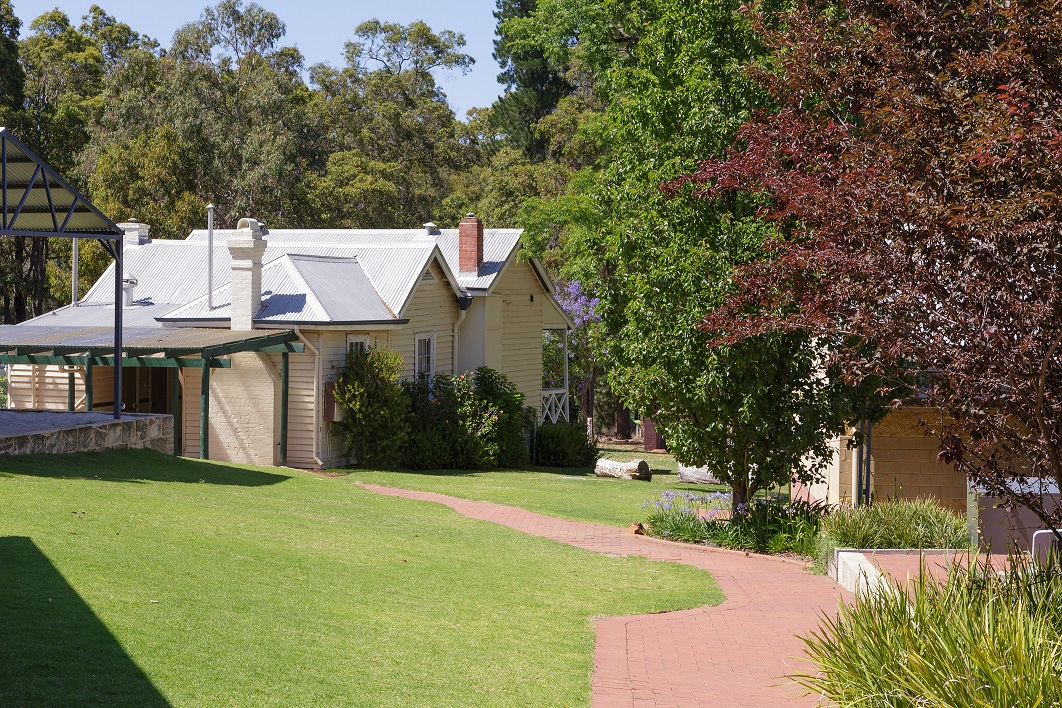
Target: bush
<point x="374" y="425"/>
<point x="565" y="445"/>
<point x="894" y="523"/>
<point x="768" y="525"/>
<point x="977" y="639"/>
<point x="473" y="421"/>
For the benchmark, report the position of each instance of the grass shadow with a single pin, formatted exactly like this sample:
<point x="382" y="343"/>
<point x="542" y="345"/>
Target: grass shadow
<point x="136" y="466"/>
<point x="53" y="649"/>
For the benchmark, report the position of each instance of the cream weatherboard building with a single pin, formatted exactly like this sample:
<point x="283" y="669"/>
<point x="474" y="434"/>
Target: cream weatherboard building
<point x="270" y="324"/>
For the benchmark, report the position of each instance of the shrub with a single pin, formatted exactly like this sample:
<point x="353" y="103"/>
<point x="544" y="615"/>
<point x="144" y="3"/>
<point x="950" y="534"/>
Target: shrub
<point x="977" y="639"/>
<point x="500" y="397"/>
<point x="565" y="445"/>
<point x="473" y="421"/>
<point x="768" y="525"/>
<point x="894" y="523"/>
<point x="374" y="424"/>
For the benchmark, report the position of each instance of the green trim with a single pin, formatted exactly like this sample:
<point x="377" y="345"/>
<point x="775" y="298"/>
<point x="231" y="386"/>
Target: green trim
<point x="70" y="390"/>
<point x="284" y="376"/>
<point x="250" y="345"/>
<point x="88" y="386"/>
<point x="149" y="362"/>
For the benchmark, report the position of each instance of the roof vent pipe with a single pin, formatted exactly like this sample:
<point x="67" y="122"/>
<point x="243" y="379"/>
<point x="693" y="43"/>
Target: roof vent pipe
<point x="128" y="284"/>
<point x="210" y="256"/>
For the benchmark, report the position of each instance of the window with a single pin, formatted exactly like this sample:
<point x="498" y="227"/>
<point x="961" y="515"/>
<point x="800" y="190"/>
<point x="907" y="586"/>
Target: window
<point x="357" y="343"/>
<point x="425" y="355"/>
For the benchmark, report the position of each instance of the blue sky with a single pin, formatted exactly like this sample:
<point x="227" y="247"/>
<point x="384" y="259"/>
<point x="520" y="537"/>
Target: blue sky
<point x="319" y="28"/>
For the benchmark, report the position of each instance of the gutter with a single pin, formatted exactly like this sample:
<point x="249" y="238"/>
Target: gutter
<point x="316" y="395"/>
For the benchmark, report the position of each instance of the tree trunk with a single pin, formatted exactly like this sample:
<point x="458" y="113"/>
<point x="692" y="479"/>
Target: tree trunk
<point x="740" y="492"/>
<point x="623" y="423"/>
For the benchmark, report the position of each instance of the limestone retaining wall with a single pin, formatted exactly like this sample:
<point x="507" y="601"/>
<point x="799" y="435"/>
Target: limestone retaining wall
<point x="48" y="433"/>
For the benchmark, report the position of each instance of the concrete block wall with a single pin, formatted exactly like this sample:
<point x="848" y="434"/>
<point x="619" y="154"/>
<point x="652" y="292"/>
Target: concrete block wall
<point x="244" y="411"/>
<point x="903" y="463"/>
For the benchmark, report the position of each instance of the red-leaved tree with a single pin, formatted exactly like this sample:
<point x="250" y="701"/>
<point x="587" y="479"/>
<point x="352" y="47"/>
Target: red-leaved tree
<point x="913" y="167"/>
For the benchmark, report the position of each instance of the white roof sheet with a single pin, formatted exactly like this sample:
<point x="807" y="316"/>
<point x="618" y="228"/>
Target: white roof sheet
<point x="301" y="288"/>
<point x="175" y="271"/>
<point x="498" y="245"/>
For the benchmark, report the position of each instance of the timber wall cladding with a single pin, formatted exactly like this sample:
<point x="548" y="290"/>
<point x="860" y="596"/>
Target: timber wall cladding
<point x="521" y="323"/>
<point x="45" y="387"/>
<point x="433" y="309"/>
<point x="904" y="463"/>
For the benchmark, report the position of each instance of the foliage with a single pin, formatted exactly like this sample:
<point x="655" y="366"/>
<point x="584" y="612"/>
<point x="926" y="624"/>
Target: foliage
<point x="327" y="593"/>
<point x="375" y="406"/>
<point x="977" y="639"/>
<point x="565" y="445"/>
<point x="472" y="421"/>
<point x="892" y="523"/>
<point x="912" y="170"/>
<point x="393" y="142"/>
<point x="583" y="371"/>
<point x="769" y="524"/>
<point x="4" y="383"/>
<point x="669" y="74"/>
<point x="533" y="86"/>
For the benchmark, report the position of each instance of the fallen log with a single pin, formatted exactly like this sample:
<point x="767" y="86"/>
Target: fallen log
<point x="635" y="469"/>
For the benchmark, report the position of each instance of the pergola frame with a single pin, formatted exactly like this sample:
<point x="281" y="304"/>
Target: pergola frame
<point x="16" y="156"/>
<point x="212" y="356"/>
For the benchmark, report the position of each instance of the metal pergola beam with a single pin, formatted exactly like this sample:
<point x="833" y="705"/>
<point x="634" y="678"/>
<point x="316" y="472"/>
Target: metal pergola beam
<point x="14" y="153"/>
<point x="257" y="344"/>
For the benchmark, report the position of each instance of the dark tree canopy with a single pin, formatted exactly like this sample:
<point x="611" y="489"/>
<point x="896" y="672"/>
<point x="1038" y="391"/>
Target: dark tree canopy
<point x="913" y="169"/>
<point x="533" y="85"/>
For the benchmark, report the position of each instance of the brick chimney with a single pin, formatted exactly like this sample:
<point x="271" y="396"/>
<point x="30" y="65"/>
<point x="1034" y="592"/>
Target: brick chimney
<point x="246" y="247"/>
<point x="470" y="238"/>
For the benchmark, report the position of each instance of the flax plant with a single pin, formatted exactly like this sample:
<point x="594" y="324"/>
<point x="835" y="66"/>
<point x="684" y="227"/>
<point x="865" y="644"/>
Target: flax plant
<point x="980" y="638"/>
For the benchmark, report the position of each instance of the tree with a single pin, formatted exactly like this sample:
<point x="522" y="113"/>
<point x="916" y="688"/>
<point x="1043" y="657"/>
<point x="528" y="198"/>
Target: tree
<point x="533" y="85"/>
<point x="669" y="75"/>
<point x="12" y="76"/>
<point x="912" y="171"/>
<point x="394" y="143"/>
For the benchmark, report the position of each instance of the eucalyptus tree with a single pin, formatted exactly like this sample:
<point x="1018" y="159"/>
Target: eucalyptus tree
<point x="394" y="144"/>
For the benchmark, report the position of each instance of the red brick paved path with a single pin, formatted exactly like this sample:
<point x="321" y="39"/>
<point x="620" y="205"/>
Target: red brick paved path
<point x="729" y="655"/>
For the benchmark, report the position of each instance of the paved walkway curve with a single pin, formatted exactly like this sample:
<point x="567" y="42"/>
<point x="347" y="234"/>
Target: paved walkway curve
<point x="729" y="655"/>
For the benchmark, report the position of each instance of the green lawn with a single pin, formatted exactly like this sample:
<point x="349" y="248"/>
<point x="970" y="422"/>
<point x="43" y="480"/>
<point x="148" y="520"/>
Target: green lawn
<point x="567" y="493"/>
<point x="137" y="579"/>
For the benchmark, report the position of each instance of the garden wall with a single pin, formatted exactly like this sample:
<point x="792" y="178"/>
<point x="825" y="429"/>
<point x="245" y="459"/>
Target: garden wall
<point x="58" y="433"/>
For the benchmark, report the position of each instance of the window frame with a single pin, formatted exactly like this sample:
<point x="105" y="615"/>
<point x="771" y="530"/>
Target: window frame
<point x="354" y="340"/>
<point x="419" y="337"/>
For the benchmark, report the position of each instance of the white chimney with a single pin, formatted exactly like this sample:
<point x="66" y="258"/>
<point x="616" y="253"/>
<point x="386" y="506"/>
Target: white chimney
<point x="246" y="247"/>
<point x="136" y="234"/>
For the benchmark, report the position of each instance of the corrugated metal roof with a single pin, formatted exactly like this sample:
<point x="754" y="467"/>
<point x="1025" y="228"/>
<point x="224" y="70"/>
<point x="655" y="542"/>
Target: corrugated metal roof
<point x="300" y="288"/>
<point x="175" y="271"/>
<point x="498" y="245"/>
<point x="27" y="335"/>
